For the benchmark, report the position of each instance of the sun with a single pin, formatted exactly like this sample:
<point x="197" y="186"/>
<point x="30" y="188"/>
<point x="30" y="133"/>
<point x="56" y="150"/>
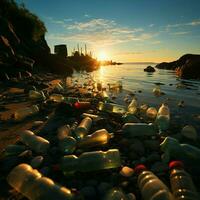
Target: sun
<point x="102" y="56"/>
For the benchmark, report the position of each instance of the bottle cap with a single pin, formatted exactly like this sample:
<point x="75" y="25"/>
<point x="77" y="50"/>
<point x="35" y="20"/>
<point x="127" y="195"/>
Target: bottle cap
<point x="176" y="164"/>
<point x="140" y="168"/>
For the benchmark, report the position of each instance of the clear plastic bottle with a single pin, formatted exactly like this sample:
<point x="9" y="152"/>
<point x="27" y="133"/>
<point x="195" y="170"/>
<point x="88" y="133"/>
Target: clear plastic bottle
<point x="63" y="132"/>
<point x="105" y="96"/>
<point x="151" y="187"/>
<point x="36" y="143"/>
<point x="151" y="113"/>
<point x="111" y="107"/>
<point x="57" y="98"/>
<point x="133" y="106"/>
<point x="36" y="95"/>
<point x="181" y="182"/>
<point x="83" y="128"/>
<point x="163" y="118"/>
<point x="139" y="129"/>
<point x="99" y="137"/>
<point x="115" y="194"/>
<point x="22" y="113"/>
<point x="67" y="145"/>
<point x="92" y="116"/>
<point x="91" y="161"/>
<point x="32" y="185"/>
<point x="157" y="91"/>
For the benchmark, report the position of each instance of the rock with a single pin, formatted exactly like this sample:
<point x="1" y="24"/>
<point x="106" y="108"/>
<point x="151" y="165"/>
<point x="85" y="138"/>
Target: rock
<point x="88" y="192"/>
<point x="152" y="145"/>
<point x="103" y="188"/>
<point x="189" y="132"/>
<point x="37" y="161"/>
<point x="137" y="147"/>
<point x="126" y="171"/>
<point x="149" y="69"/>
<point x="186" y="66"/>
<point x="153" y="157"/>
<point x="159" y="167"/>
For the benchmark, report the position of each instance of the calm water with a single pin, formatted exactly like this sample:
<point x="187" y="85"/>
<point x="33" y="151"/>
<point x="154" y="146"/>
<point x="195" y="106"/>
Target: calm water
<point x="141" y="83"/>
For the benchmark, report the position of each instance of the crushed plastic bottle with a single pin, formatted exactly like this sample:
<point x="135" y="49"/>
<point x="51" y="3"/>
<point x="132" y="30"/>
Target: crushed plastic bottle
<point x="174" y="150"/>
<point x="57" y="97"/>
<point x="181" y="182"/>
<point x="22" y="113"/>
<point x="163" y="118"/>
<point x="67" y="145"/>
<point x="151" y="187"/>
<point x="111" y="107"/>
<point x="157" y="91"/>
<point x="63" y="132"/>
<point x="36" y="95"/>
<point x="36" y="143"/>
<point x="133" y="106"/>
<point x="91" y="161"/>
<point x="83" y="128"/>
<point x="31" y="184"/>
<point x="99" y="137"/>
<point x="151" y="113"/>
<point x="139" y="129"/>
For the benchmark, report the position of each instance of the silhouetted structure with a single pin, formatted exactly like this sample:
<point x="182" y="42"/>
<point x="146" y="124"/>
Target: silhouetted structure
<point x="61" y="50"/>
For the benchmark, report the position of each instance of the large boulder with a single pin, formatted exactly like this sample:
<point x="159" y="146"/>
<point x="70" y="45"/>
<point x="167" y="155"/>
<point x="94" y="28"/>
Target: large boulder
<point x="187" y="66"/>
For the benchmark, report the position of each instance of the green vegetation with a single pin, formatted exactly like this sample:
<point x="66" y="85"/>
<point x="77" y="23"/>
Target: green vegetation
<point x="24" y="22"/>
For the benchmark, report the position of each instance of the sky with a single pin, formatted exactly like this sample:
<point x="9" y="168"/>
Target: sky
<point x="122" y="30"/>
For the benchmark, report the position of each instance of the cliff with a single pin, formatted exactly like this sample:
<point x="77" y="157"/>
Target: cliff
<point x="187" y="66"/>
<point x="22" y="43"/>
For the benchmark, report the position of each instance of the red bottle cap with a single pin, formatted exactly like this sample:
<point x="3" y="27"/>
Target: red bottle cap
<point x="140" y="168"/>
<point x="176" y="164"/>
<point x="77" y="105"/>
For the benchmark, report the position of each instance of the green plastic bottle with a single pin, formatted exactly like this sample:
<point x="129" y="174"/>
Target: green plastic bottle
<point x="174" y="150"/>
<point x="91" y="161"/>
<point x="139" y="129"/>
<point x="111" y="107"/>
<point x="99" y="137"/>
<point x="117" y="194"/>
<point x="181" y="182"/>
<point x="151" y="187"/>
<point x="83" y="128"/>
<point x="30" y="183"/>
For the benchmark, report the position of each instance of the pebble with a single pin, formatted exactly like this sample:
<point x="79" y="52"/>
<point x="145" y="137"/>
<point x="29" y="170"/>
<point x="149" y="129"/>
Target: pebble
<point x="88" y="192"/>
<point x="189" y="132"/>
<point x="36" y="161"/>
<point x="126" y="171"/>
<point x="158" y="167"/>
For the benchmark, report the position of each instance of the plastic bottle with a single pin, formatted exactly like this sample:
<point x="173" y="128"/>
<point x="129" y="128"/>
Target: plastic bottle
<point x="36" y="143"/>
<point x="67" y="144"/>
<point x="71" y="100"/>
<point x="68" y="82"/>
<point x="63" y="132"/>
<point x="99" y="86"/>
<point x="57" y="98"/>
<point x="32" y="185"/>
<point x="133" y="106"/>
<point x="174" y="150"/>
<point x="99" y="137"/>
<point x="163" y="118"/>
<point x="115" y="194"/>
<point x="111" y="107"/>
<point x="91" y="161"/>
<point x="151" y="187"/>
<point x="82" y="105"/>
<point x="92" y="116"/>
<point x="83" y="128"/>
<point x="22" y="113"/>
<point x="139" y="129"/>
<point x="36" y="95"/>
<point x="105" y="96"/>
<point x="157" y="91"/>
<point x="151" y="113"/>
<point x="14" y="149"/>
<point x="181" y="182"/>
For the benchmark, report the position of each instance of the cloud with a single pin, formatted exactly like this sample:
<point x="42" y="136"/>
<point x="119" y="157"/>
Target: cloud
<point x="100" y="32"/>
<point x="180" y="33"/>
<point x="151" y="25"/>
<point x="192" y="23"/>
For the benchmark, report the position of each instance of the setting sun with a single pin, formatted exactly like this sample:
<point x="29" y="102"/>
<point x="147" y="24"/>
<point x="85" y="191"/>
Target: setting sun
<point x="102" y="56"/>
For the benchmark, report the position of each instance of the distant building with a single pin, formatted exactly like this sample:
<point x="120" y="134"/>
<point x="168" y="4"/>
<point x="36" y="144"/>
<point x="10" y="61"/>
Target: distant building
<point x="61" y="50"/>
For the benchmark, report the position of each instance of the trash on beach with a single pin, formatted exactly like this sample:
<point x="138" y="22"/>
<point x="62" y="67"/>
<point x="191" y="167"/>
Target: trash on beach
<point x="133" y="106"/>
<point x="157" y="91"/>
<point x="111" y="107"/>
<point x="151" y="112"/>
<point x="36" y="95"/>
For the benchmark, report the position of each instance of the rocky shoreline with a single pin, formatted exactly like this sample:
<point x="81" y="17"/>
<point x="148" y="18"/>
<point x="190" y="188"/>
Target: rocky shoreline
<point x="98" y="184"/>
